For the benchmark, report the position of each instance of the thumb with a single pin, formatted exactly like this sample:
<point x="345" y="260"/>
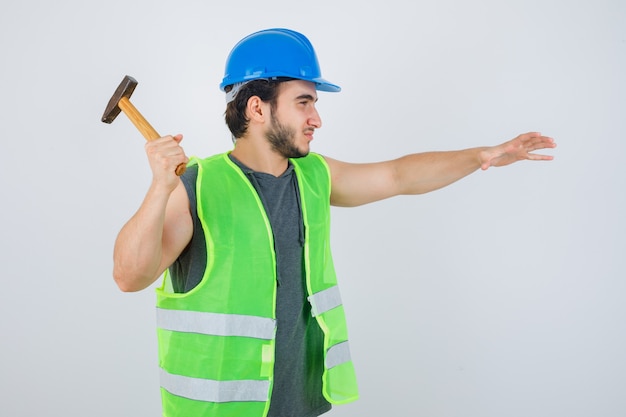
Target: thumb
<point x="485" y="157"/>
<point x="178" y="137"/>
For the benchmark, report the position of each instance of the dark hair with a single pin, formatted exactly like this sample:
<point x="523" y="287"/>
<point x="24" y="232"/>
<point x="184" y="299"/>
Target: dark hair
<point x="235" y="115"/>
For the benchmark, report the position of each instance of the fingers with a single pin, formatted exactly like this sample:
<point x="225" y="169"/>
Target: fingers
<point x="537" y="157"/>
<point x="165" y="155"/>
<point x="534" y="140"/>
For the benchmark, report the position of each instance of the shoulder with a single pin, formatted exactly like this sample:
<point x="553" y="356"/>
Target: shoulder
<point x="312" y="166"/>
<point x="311" y="161"/>
<point x="207" y="162"/>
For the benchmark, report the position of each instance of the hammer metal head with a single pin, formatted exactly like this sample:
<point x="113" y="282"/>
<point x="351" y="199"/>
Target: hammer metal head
<point x="125" y="89"/>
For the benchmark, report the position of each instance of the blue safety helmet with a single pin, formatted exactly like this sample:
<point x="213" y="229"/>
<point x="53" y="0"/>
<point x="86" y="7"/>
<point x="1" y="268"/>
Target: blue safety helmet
<point x="273" y="53"/>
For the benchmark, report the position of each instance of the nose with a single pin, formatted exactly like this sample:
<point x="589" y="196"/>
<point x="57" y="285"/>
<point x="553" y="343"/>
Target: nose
<point x="314" y="119"/>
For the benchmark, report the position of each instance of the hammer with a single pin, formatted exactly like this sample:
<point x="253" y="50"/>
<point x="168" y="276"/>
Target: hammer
<point x="120" y="101"/>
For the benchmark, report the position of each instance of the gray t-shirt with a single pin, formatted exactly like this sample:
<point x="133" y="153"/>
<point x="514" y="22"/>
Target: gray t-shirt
<point x="299" y="361"/>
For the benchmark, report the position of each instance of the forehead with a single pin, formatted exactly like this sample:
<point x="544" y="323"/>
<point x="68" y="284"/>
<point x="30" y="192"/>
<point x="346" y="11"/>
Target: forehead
<point x="297" y="88"/>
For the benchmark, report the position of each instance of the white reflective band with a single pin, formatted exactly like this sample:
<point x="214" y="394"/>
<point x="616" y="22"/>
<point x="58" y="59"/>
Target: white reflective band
<point x="215" y="391"/>
<point x="338" y="354"/>
<point x="325" y="300"/>
<point x="216" y="324"/>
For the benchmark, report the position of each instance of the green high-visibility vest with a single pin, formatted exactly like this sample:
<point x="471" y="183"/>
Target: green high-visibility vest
<point x="216" y="342"/>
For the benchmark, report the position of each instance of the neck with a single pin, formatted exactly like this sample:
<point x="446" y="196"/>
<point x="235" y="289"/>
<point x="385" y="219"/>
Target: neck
<point x="259" y="157"/>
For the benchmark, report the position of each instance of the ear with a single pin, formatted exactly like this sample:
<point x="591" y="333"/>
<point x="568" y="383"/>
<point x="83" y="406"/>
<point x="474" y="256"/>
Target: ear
<point x="256" y="110"/>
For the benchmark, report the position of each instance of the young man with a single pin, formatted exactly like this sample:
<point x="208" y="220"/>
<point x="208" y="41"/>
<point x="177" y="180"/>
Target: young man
<point x="250" y="320"/>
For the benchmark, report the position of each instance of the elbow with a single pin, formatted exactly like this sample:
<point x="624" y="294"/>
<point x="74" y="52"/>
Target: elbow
<point x="126" y="282"/>
<point x="125" y="286"/>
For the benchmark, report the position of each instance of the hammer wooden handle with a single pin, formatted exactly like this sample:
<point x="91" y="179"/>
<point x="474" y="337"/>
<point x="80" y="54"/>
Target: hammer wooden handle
<point x="143" y="126"/>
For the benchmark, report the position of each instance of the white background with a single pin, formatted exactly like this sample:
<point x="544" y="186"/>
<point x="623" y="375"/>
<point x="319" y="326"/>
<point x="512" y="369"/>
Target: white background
<point x="501" y="295"/>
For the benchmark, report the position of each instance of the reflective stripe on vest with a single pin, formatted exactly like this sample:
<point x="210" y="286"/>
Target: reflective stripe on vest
<point x="215" y="391"/>
<point x="337" y="355"/>
<point x="325" y="300"/>
<point x="216" y="324"/>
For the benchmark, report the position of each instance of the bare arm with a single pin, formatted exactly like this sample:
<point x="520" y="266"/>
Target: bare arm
<point x="161" y="228"/>
<point x="356" y="184"/>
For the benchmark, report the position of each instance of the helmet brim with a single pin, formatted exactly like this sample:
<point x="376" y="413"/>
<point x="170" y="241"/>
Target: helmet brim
<point x="323" y="85"/>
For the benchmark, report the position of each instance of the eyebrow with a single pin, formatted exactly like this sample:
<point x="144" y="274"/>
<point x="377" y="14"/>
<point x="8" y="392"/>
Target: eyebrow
<point x="306" y="97"/>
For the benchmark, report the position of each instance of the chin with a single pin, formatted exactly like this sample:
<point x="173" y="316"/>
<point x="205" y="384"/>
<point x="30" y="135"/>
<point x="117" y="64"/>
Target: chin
<point x="299" y="155"/>
<point x="300" y="152"/>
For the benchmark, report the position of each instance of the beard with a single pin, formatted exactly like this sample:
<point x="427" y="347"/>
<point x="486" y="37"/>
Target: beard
<point x="282" y="139"/>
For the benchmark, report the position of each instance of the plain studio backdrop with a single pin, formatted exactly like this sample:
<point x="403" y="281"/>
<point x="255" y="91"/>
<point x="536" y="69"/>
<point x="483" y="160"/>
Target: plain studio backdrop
<point x="501" y="295"/>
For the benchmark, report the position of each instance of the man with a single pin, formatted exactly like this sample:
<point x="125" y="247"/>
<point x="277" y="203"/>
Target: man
<point x="250" y="320"/>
